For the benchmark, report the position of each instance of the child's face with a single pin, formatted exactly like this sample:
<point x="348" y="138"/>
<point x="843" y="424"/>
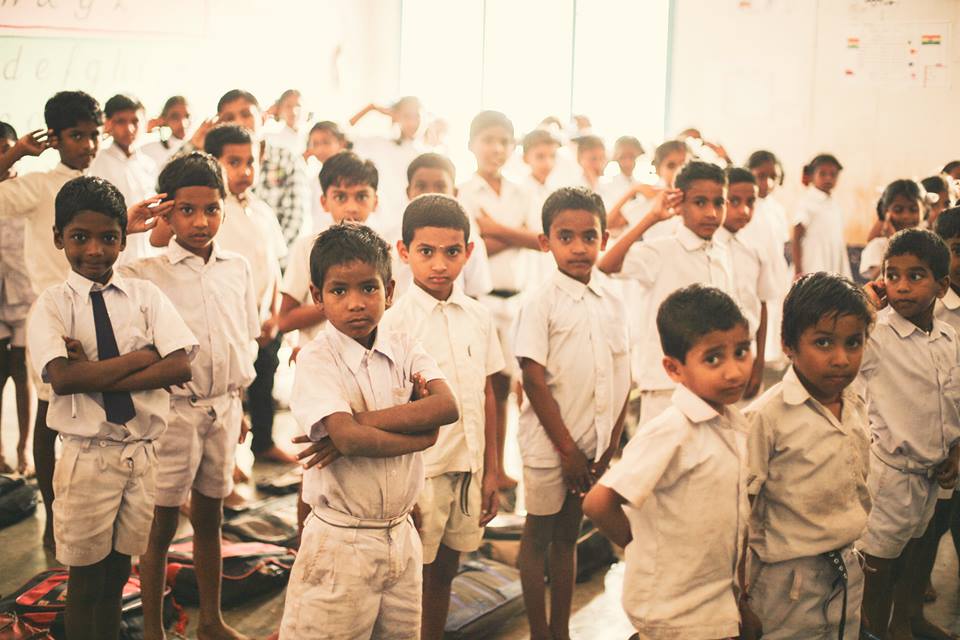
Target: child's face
<point x="825" y="177"/>
<point x="828" y="354"/>
<point x="670" y="165"/>
<point x="436" y="256"/>
<point x="954" y="246"/>
<point x="703" y="207"/>
<point x="575" y="240"/>
<point x="353" y="202"/>
<point x="91" y="242"/>
<point x="430" y="180"/>
<point x="195" y="218"/>
<point x="240" y="164"/>
<point x="241" y="112"/>
<point x="323" y="144"/>
<point x="741" y="198"/>
<point x="626" y="157"/>
<point x="717" y="367"/>
<point x="78" y="144"/>
<point x="353" y="299"/>
<point x="903" y="213"/>
<point x="541" y="159"/>
<point x="407" y="117"/>
<point x="912" y="289"/>
<point x="289" y="110"/>
<point x="178" y="119"/>
<point x="491" y="146"/>
<point x="124" y="126"/>
<point x="593" y="160"/>
<point x="766" y="175"/>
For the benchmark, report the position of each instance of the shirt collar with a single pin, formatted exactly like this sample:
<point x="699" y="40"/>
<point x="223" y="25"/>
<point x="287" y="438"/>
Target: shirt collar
<point x="905" y="328"/>
<point x="951" y="301"/>
<point x="816" y="194"/>
<point x="723" y="235"/>
<point x="353" y="353"/>
<point x="428" y="303"/>
<point x="62" y="168"/>
<point x="692" y="406"/>
<point x="82" y="286"/>
<point x="574" y="288"/>
<point x="689" y="240"/>
<point x="176" y="253"/>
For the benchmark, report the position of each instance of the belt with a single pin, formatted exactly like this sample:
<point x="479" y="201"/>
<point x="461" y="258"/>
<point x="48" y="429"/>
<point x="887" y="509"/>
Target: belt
<point x="466" y="478"/>
<point x="137" y="453"/>
<point x="343" y="521"/>
<point x="503" y="293"/>
<point x="835" y="559"/>
<point x="903" y="464"/>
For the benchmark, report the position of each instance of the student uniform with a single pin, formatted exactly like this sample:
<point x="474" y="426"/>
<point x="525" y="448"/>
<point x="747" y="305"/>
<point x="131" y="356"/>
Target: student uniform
<point x="105" y="480"/>
<point x="16" y="293"/>
<point x="161" y="153"/>
<point x="216" y="300"/>
<point x="661" y="266"/>
<point x="947" y="309"/>
<point x="541" y="263"/>
<point x="358" y="572"/>
<point x="808" y="472"/>
<point x="576" y="331"/>
<point x="683" y="477"/>
<point x="824" y="248"/>
<point x="872" y="255"/>
<point x="460" y="336"/>
<point x="752" y="277"/>
<point x="296" y="281"/>
<point x="914" y="420"/>
<point x="392" y="157"/>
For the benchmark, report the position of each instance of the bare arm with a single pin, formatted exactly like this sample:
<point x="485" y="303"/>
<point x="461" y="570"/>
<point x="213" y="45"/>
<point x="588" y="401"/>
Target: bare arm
<point x="663" y="209"/>
<point x="69" y="376"/>
<point x="615" y="218"/>
<point x="367" y="109"/>
<point x="494" y="246"/>
<point x="756" y="377"/>
<point x="172" y="370"/>
<point x="32" y="144"/>
<point x="438" y="408"/>
<point x="604" y="507"/>
<point x="489" y="494"/>
<point x="796" y="247"/>
<point x="161" y="234"/>
<point x="604" y="462"/>
<point x="294" y="316"/>
<point x="354" y="439"/>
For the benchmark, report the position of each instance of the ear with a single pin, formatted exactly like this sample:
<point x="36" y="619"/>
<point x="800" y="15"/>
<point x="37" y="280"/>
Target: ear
<point x="54" y="139"/>
<point x="674" y="368"/>
<point x="544" y="243"/>
<point x="456" y="192"/>
<point x="408" y="192"/>
<point x="788" y="351"/>
<point x="58" y="238"/>
<point x="389" y="292"/>
<point x="323" y="201"/>
<point x="317" y="296"/>
<point x="603" y="240"/>
<point x="944" y="284"/>
<point x="376" y="201"/>
<point x="469" y="250"/>
<point x="403" y="252"/>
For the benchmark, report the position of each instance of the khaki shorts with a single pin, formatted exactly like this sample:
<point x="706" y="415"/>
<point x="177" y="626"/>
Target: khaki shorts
<point x="197" y="449"/>
<point x="104" y="499"/>
<point x="544" y="490"/>
<point x="450" y="504"/>
<point x="13" y="325"/>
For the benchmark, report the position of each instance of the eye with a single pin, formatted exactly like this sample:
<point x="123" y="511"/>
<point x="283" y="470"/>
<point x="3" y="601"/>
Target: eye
<point x="917" y="276"/>
<point x="370" y="288"/>
<point x="712" y="359"/>
<point x="823" y="343"/>
<point x="741" y="352"/>
<point x="734" y="202"/>
<point x="337" y="291"/>
<point x="362" y="196"/>
<point x="453" y="251"/>
<point x="699" y="201"/>
<point x="855" y="342"/>
<point x="565" y="236"/>
<point x="78" y="236"/>
<point x="426" y="251"/>
<point x="213" y="210"/>
<point x="111" y="238"/>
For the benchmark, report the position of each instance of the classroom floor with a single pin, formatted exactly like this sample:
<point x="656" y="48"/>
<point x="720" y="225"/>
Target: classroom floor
<point x="597" y="611"/>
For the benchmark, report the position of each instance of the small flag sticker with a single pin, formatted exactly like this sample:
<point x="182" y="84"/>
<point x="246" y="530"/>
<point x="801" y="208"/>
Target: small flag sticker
<point x="854" y="43"/>
<point x="930" y="39"/>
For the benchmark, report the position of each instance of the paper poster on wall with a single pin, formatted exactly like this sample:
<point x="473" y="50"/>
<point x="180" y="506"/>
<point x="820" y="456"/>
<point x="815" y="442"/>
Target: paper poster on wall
<point x="74" y="18"/>
<point x="897" y="54"/>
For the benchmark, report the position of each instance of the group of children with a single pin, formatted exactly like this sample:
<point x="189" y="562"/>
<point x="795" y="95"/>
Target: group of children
<point x="824" y="498"/>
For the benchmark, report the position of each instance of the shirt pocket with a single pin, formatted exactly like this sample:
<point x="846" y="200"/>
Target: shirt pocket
<point x="136" y="332"/>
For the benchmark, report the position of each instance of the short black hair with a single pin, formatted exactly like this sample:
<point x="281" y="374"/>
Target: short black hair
<point x="487" y="119"/>
<point x="538" y="137"/>
<point x="925" y="246"/>
<point x="572" y="198"/>
<point x="692" y="312"/>
<point x="172" y="102"/>
<point x="195" y="169"/>
<point x="348" y="169"/>
<point x="333" y="129"/>
<point x="431" y="161"/>
<point x="761" y="157"/>
<point x="88" y="193"/>
<point x="699" y="170"/>
<point x="236" y="94"/>
<point x="737" y="175"/>
<point x="224" y="134"/>
<point x="434" y="210"/>
<point x="817" y="295"/>
<point x="7" y="132"/>
<point x="69" y="108"/>
<point x="588" y="143"/>
<point x="667" y="148"/>
<point x="906" y="188"/>
<point x="822" y="159"/>
<point x="629" y="141"/>
<point x="948" y="224"/>
<point x="348" y="242"/>
<point x="935" y="184"/>
<point x="951" y="166"/>
<point x="121" y="102"/>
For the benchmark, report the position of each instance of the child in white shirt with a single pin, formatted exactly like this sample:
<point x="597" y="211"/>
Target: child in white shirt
<point x="677" y="499"/>
<point x="574" y="352"/>
<point x="592" y="158"/>
<point x="899" y="208"/>
<point x="818" y="243"/>
<point x="175" y="117"/>
<point x="540" y="155"/>
<point x="626" y="150"/>
<point x="636" y="201"/>
<point x="324" y="141"/>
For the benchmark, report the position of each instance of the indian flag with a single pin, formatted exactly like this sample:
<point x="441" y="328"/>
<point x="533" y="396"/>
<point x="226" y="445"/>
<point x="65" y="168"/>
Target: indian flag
<point x="853" y="43"/>
<point x="930" y="39"/>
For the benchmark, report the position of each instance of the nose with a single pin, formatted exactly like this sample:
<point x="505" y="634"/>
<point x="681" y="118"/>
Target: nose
<point x="94" y="249"/>
<point x="355" y="302"/>
<point x="200" y="222"/>
<point x="839" y="358"/>
<point x="438" y="264"/>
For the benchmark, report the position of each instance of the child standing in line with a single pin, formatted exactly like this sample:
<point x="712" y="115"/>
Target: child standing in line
<point x="818" y="243"/>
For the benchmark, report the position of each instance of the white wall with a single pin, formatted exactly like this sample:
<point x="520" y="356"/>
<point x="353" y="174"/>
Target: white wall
<point x="770" y="74"/>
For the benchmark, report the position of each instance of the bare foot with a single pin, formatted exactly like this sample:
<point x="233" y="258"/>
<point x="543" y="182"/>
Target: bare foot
<point x="4" y="467"/>
<point x="923" y="628"/>
<point x="275" y="454"/>
<point x="239" y="476"/>
<point x="23" y="463"/>
<point x="221" y="631"/>
<point x="505" y="482"/>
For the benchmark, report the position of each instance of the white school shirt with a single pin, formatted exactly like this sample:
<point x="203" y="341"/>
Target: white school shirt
<point x="392" y="158"/>
<point x="768" y="233"/>
<point x="577" y="332"/>
<point x="661" y="266"/>
<point x="872" y="255"/>
<point x="335" y="374"/>
<point x="15" y="287"/>
<point x="912" y="387"/>
<point x="947" y="309"/>
<point x="824" y="248"/>
<point x="161" y="154"/>
<point x="216" y="299"/>
<point x="296" y="282"/>
<point x="509" y="269"/>
<point x="683" y="476"/>
<point x="808" y="471"/>
<point x="542" y="264"/>
<point x="135" y="176"/>
<point x="141" y="315"/>
<point x="752" y="277"/>
<point x="32" y="197"/>
<point x="459" y="334"/>
<point x="251" y="229"/>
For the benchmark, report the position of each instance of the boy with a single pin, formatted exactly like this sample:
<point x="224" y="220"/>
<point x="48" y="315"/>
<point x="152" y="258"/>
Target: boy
<point x="664" y="264"/>
<point x="915" y="426"/>
<point x="460" y="494"/>
<point x="676" y="500"/>
<point x="818" y="243"/>
<point x="809" y="454"/>
<point x="502" y="212"/>
<point x="133" y="172"/>
<point x="213" y="291"/>
<point x="592" y="158"/>
<point x="110" y="410"/>
<point x="540" y="155"/>
<point x="375" y="400"/>
<point x="752" y="276"/>
<point x="626" y="150"/>
<point x="573" y="350"/>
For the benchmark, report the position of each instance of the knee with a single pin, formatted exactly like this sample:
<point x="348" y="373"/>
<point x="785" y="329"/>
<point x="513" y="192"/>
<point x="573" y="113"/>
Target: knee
<point x="206" y="516"/>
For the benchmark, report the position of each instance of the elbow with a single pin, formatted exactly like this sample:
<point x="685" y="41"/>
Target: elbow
<point x="62" y="387"/>
<point x="432" y="436"/>
<point x="591" y="505"/>
<point x="450" y="414"/>
<point x="183" y="374"/>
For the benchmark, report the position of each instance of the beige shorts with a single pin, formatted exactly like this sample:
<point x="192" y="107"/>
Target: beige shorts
<point x="197" y="449"/>
<point x="351" y="583"/>
<point x="544" y="490"/>
<point x="653" y="403"/>
<point x="104" y="499"/>
<point x="800" y="599"/>
<point x="450" y="504"/>
<point x="903" y="504"/>
<point x="13" y="324"/>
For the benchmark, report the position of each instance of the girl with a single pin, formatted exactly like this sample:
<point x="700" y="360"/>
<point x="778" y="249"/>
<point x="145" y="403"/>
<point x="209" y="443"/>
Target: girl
<point x="325" y="139"/>
<point x="629" y="209"/>
<point x="899" y="208"/>
<point x="173" y="123"/>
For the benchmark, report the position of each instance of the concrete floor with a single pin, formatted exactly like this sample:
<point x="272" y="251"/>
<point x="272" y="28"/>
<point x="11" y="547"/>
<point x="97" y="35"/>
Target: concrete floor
<point x="597" y="611"/>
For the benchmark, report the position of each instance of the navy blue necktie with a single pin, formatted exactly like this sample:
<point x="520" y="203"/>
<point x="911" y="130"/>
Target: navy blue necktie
<point x="118" y="405"/>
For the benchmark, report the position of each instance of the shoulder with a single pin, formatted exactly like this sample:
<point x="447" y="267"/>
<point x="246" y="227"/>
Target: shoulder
<point x="770" y="402"/>
<point x="320" y="351"/>
<point x="142" y="268"/>
<point x="664" y="434"/>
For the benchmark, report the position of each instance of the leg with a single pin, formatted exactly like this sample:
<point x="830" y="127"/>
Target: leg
<point x="501" y="391"/>
<point x="45" y="460"/>
<point x="877" y="594"/>
<point x="260" y="401"/>
<point x="563" y="565"/>
<point x="437" y="578"/>
<point x="4" y="374"/>
<point x="110" y="607"/>
<point x="85" y="589"/>
<point x="18" y="371"/>
<point x="534" y="542"/>
<point x="153" y="566"/>
<point x="955" y="521"/>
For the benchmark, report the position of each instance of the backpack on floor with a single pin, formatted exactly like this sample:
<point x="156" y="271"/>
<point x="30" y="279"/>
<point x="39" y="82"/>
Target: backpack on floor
<point x="485" y="594"/>
<point x="283" y="484"/>
<point x="594" y="551"/>
<point x="250" y="569"/>
<point x="41" y="603"/>
<point x="18" y="500"/>
<point x="273" y="522"/>
<point x="13" y="628"/>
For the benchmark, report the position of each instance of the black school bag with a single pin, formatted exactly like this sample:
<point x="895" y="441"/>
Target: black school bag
<point x="18" y="500"/>
<point x="484" y="596"/>
<point x="273" y="522"/>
